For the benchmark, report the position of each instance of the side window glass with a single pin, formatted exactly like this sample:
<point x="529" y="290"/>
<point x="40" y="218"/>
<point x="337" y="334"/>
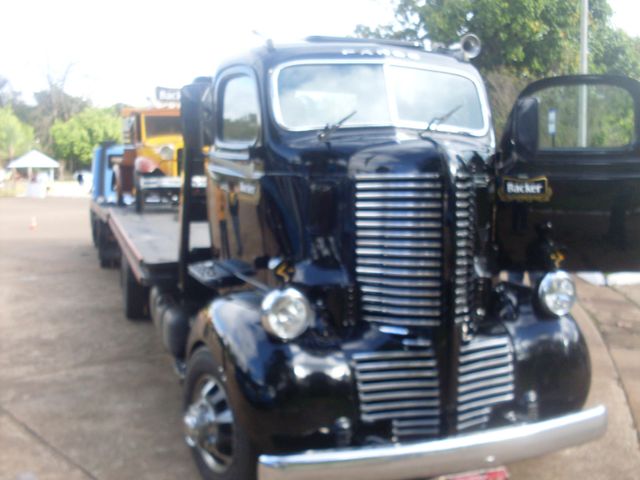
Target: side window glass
<point x="240" y="109"/>
<point x="608" y="110"/>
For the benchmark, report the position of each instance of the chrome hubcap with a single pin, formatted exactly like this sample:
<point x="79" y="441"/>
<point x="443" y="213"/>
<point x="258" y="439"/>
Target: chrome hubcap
<point x="208" y="424"/>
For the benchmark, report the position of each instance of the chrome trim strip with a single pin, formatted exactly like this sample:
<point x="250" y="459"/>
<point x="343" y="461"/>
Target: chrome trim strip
<point x="397" y="204"/>
<point x="395" y="385"/>
<point x="397" y="194"/>
<point x="401" y="395"/>
<point x="401" y="302"/>
<point x="374" y="417"/>
<point x="399" y="282"/>
<point x="390" y="214"/>
<point x="396" y="223"/>
<point x="396" y="292"/>
<point x="391" y="252"/>
<point x="395" y="364"/>
<point x="403" y="322"/>
<point x="396" y="176"/>
<point x="385" y="354"/>
<point x="384" y="261"/>
<point x="439" y="457"/>
<point x="406" y="185"/>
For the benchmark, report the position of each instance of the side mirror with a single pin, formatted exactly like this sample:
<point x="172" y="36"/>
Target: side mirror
<point x="526" y="126"/>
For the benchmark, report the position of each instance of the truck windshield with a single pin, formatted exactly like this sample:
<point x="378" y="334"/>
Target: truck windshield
<point x="157" y="126"/>
<point x="309" y="96"/>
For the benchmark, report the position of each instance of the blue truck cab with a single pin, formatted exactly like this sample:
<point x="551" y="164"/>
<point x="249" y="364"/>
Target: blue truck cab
<point x="105" y="156"/>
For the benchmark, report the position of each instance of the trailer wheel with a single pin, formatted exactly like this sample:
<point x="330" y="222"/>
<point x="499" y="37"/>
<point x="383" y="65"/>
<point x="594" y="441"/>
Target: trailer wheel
<point x="106" y="254"/>
<point x="134" y="295"/>
<point x="94" y="232"/>
<point x="220" y="447"/>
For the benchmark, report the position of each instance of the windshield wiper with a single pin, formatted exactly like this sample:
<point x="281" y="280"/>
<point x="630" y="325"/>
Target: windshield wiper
<point x="329" y="129"/>
<point x="438" y="120"/>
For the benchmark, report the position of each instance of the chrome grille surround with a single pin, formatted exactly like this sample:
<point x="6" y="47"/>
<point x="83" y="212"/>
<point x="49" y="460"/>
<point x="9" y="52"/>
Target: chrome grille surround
<point x="399" y="248"/>
<point x="400" y="386"/>
<point x="485" y="379"/>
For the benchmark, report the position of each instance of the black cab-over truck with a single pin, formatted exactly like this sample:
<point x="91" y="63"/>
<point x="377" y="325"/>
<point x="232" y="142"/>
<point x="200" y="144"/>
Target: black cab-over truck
<point x="337" y="304"/>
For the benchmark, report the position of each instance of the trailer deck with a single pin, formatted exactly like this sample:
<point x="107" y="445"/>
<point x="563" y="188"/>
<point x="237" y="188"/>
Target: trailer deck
<point x="150" y="240"/>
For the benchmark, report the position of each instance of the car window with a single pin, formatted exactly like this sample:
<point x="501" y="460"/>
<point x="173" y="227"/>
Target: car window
<point x="608" y="109"/>
<point x="240" y="110"/>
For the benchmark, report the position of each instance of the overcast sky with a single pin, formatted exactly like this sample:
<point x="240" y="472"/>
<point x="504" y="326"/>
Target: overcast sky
<point x="120" y="50"/>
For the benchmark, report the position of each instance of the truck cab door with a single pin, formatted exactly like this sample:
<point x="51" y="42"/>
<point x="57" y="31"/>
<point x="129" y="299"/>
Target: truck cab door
<point x="568" y="177"/>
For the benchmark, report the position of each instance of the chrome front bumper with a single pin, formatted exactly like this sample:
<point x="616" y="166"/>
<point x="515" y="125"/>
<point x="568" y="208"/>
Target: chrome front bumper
<point x="439" y="457"/>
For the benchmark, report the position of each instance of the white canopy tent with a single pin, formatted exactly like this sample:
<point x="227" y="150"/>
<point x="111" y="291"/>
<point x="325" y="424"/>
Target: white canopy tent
<point x="35" y="159"/>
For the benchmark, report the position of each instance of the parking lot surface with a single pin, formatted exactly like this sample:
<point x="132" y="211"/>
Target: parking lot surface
<point x="86" y="394"/>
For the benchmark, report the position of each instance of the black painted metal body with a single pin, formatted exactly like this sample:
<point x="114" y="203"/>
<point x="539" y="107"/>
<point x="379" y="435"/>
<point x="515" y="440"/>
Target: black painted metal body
<point x="488" y="356"/>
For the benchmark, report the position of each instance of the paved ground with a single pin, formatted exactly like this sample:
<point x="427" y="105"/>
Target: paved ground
<point x="84" y="394"/>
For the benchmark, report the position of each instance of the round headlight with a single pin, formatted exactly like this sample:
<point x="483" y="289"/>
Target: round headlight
<point x="166" y="153"/>
<point x="557" y="293"/>
<point x="286" y="313"/>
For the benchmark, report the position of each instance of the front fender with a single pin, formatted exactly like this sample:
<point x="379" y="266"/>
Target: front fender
<point x="551" y="356"/>
<point x="279" y="391"/>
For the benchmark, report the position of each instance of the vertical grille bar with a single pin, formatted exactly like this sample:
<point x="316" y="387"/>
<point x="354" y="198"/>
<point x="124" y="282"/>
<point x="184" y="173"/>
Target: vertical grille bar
<point x="464" y="238"/>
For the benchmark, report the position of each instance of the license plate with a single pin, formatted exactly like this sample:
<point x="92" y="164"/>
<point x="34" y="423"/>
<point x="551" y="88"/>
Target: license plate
<point x="494" y="474"/>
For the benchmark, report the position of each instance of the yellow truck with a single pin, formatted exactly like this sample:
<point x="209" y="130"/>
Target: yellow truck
<point x="150" y="166"/>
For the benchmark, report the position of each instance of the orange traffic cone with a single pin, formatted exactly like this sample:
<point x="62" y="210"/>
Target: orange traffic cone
<point x="34" y="223"/>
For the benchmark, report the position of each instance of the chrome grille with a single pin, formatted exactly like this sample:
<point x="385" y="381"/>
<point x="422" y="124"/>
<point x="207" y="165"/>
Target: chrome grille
<point x="399" y="248"/>
<point x="485" y="379"/>
<point x="463" y="272"/>
<point x="401" y="387"/>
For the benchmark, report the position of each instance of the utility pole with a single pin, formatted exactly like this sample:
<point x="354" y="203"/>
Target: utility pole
<point x="584" y="69"/>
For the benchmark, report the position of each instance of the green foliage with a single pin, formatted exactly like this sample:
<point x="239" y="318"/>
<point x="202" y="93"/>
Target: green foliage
<point x="16" y="137"/>
<point x="75" y="139"/>
<point x="610" y="116"/>
<point x="522" y="40"/>
<point x="527" y="36"/>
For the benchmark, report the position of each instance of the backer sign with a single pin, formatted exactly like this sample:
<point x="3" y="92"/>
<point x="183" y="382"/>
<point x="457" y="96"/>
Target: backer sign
<point x="164" y="94"/>
<point x="525" y="190"/>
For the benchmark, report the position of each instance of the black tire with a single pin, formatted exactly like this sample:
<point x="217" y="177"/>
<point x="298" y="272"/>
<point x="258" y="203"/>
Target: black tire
<point x="243" y="462"/>
<point x="135" y="297"/>
<point x="94" y="232"/>
<point x="105" y="249"/>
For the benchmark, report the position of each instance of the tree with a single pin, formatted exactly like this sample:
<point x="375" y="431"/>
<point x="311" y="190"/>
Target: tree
<point x="16" y="138"/>
<point x="75" y="139"/>
<point x="527" y="36"/>
<point x="531" y="38"/>
<point x="522" y="39"/>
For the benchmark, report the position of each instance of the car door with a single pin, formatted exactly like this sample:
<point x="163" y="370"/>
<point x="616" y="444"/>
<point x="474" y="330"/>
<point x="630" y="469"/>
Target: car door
<point x="568" y="177"/>
<point x="233" y="168"/>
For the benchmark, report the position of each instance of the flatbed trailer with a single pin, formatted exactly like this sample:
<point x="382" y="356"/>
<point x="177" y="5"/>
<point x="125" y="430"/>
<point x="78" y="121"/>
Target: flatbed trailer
<point x="146" y="245"/>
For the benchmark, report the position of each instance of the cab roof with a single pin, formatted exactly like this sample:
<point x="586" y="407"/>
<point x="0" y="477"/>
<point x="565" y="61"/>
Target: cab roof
<point x="320" y="47"/>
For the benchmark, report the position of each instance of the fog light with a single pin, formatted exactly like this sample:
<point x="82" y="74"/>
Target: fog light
<point x="557" y="293"/>
<point x="286" y="313"/>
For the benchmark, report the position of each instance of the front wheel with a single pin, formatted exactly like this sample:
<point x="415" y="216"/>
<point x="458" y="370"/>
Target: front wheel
<point x="219" y="445"/>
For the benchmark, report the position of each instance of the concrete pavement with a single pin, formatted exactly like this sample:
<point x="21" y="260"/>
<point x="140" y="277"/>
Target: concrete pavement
<point x="85" y="394"/>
